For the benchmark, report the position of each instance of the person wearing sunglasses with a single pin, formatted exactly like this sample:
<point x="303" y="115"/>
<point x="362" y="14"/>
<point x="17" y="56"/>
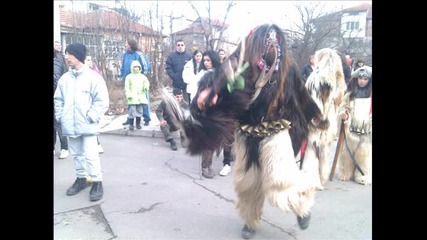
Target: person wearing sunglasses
<point x="175" y="66"/>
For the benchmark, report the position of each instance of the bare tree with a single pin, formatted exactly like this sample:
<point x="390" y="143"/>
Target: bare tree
<point x="104" y="31"/>
<point x="220" y="40"/>
<point x="157" y="56"/>
<point x="319" y="29"/>
<point x="172" y="18"/>
<point x="306" y="39"/>
<point x="212" y="41"/>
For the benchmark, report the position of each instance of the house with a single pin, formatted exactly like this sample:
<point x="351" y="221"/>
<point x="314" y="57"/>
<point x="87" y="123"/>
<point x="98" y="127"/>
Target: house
<point x="356" y="22"/>
<point x="349" y="31"/>
<point x="104" y="31"/>
<point x="356" y="29"/>
<point x="194" y="35"/>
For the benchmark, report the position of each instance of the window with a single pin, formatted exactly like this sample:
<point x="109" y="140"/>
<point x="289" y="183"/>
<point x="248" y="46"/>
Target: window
<point x="352" y="26"/>
<point x="91" y="41"/>
<point x="93" y="6"/>
<point x="113" y="49"/>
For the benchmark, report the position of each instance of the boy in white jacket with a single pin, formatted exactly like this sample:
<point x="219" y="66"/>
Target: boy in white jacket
<point x="81" y="99"/>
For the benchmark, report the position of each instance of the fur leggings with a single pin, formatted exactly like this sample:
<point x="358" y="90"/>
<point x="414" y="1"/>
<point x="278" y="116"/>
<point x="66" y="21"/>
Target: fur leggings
<point x="361" y="147"/>
<point x="279" y="179"/>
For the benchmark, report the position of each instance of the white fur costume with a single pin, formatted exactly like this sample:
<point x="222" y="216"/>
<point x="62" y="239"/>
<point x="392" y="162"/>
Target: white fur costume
<point x="358" y="132"/>
<point x="326" y="85"/>
<point x="259" y="88"/>
<point x="279" y="179"/>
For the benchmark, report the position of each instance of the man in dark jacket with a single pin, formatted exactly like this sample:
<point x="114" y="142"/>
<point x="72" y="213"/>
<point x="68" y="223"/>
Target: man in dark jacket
<point x="308" y="68"/>
<point x="59" y="55"/>
<point x="58" y="71"/>
<point x="175" y="65"/>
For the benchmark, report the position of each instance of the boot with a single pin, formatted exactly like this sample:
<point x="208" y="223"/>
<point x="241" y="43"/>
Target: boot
<point x="303" y="222"/>
<point x="173" y="144"/>
<point x="247" y="233"/>
<point x="126" y="122"/>
<point x="138" y="123"/>
<point x="77" y="186"/>
<point x="96" y="191"/>
<point x="131" y="127"/>
<point x="208" y="172"/>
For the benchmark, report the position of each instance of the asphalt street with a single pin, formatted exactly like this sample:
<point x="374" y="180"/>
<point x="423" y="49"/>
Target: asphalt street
<point x="152" y="192"/>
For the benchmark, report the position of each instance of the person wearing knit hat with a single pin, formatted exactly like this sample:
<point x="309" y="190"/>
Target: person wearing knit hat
<point x="78" y="50"/>
<point x="80" y="100"/>
<point x="365" y="71"/>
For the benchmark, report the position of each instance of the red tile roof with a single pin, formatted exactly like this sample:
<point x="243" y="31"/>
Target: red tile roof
<point x="108" y="20"/>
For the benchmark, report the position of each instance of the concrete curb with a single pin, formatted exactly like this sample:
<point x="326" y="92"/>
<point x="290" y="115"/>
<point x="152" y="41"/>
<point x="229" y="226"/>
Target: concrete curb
<point x="112" y="124"/>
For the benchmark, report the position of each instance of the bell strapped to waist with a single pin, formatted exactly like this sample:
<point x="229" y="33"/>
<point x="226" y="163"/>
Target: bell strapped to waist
<point x="265" y="128"/>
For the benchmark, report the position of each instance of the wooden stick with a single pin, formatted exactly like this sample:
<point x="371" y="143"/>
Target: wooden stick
<point x="337" y="152"/>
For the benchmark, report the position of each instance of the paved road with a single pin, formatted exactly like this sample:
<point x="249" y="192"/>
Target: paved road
<point x="152" y="192"/>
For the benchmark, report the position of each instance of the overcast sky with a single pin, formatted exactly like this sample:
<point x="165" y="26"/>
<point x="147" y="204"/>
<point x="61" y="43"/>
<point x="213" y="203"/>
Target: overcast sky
<point x="242" y="17"/>
<point x="245" y="15"/>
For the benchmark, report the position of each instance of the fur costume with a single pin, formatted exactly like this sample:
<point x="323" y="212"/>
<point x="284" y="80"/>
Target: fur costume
<point x="327" y="86"/>
<point x="358" y="131"/>
<point x="257" y="94"/>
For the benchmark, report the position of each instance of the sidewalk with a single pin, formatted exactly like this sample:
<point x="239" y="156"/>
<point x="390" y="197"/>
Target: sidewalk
<point x="113" y="124"/>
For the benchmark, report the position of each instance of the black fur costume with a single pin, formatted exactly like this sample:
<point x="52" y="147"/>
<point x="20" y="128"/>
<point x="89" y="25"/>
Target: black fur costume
<point x="287" y="97"/>
<point x="264" y="64"/>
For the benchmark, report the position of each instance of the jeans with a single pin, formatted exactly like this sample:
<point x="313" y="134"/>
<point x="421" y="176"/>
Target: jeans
<point x="86" y="157"/>
<point x="146" y="112"/>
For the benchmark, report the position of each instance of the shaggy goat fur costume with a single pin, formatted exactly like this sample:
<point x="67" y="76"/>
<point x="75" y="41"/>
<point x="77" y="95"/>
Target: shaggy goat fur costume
<point x="327" y="86"/>
<point x="357" y="103"/>
<point x="257" y="94"/>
